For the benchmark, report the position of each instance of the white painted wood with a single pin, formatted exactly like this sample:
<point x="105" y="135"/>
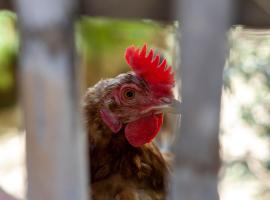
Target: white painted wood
<point x="203" y="26"/>
<point x="55" y="143"/>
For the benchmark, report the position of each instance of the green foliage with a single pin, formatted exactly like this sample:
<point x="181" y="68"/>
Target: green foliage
<point x="249" y="61"/>
<point x="267" y="164"/>
<point x="248" y="65"/>
<point x="101" y="43"/>
<point x="247" y="115"/>
<point x="238" y="170"/>
<point x="8" y="55"/>
<point x="8" y="48"/>
<point x="96" y="35"/>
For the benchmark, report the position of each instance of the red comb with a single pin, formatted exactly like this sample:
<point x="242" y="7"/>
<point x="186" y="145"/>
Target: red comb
<point x="157" y="74"/>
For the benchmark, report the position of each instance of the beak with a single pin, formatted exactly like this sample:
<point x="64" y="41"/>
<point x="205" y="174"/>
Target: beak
<point x="173" y="106"/>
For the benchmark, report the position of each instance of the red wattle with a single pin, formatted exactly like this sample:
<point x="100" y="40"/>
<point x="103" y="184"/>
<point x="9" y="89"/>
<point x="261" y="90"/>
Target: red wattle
<point x="143" y="130"/>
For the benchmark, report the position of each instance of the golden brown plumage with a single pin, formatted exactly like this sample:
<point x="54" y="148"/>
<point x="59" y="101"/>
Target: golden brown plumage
<point x="119" y="170"/>
<point x="123" y="115"/>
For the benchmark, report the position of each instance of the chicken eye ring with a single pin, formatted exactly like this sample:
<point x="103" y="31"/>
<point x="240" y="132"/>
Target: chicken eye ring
<point x="129" y="93"/>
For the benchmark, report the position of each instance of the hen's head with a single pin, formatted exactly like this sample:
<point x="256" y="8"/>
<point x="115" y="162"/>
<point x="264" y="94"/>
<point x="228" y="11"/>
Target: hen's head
<point x="135" y="101"/>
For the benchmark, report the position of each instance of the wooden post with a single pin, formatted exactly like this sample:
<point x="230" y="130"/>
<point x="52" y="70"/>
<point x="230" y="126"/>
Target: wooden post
<point x="55" y="142"/>
<point x="204" y="25"/>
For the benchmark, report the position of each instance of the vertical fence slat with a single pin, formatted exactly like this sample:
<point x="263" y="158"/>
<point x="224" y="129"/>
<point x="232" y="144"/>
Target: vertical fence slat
<point x="203" y="48"/>
<point x="55" y="142"/>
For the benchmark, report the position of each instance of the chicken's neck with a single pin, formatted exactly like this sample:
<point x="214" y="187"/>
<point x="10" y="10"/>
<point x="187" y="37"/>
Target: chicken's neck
<point x="111" y="153"/>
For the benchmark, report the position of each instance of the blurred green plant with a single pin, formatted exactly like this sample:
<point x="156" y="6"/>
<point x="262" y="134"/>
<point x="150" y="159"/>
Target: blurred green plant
<point x="249" y="64"/>
<point x="101" y="43"/>
<point x="8" y="55"/>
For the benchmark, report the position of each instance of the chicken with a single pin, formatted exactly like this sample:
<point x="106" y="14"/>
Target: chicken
<point x="123" y="115"/>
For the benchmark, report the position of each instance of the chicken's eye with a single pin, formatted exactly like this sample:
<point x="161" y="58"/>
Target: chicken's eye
<point x="129" y="94"/>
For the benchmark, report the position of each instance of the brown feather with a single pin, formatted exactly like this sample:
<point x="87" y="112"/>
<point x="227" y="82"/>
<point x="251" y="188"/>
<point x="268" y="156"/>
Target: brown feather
<point x="120" y="171"/>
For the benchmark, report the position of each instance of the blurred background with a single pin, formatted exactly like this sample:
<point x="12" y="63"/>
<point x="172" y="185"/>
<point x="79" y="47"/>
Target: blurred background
<point x="245" y="124"/>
